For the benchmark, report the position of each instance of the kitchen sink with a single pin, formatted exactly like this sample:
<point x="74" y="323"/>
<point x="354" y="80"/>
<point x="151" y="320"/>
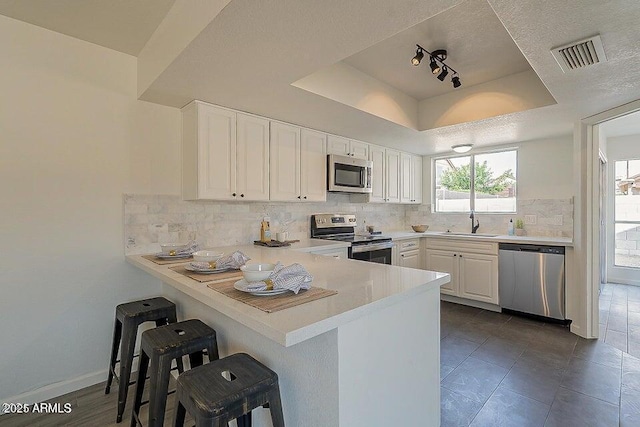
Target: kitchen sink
<point x="450" y="233"/>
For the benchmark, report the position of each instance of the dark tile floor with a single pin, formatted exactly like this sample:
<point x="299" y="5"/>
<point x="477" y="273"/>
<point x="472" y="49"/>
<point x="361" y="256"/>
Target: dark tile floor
<point x="620" y="317"/>
<point x="501" y="370"/>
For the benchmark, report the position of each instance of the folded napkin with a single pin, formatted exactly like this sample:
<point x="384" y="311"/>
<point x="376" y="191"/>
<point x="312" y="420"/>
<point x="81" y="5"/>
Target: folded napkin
<point x="228" y="262"/>
<point x="187" y="249"/>
<point x="292" y="277"/>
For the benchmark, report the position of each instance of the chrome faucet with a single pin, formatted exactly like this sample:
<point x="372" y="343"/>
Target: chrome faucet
<point x="474" y="228"/>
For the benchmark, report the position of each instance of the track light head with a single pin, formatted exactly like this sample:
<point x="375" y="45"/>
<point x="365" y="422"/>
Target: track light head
<point x="455" y="80"/>
<point x="443" y="74"/>
<point x="435" y="68"/>
<point x="416" y="59"/>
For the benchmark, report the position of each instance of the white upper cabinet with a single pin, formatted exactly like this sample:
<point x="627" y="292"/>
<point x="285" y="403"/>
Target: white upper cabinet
<point x="313" y="166"/>
<point x="347" y="147"/>
<point x="285" y="162"/>
<point x="337" y="145"/>
<point x="417" y="179"/>
<point x="386" y="177"/>
<point x="298" y="164"/>
<point x="411" y="178"/>
<point x="358" y="149"/>
<point x="392" y="174"/>
<point x="225" y="155"/>
<point x="208" y="152"/>
<point x="252" y="158"/>
<point x="378" y="180"/>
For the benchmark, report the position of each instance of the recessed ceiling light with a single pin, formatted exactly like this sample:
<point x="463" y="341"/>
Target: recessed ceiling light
<point x="462" y="148"/>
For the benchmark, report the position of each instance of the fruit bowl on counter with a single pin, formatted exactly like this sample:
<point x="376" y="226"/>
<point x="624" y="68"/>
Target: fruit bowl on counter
<point x="420" y="228"/>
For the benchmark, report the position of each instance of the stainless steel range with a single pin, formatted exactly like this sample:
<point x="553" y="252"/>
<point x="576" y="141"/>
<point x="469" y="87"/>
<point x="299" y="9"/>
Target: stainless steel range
<point x="342" y="227"/>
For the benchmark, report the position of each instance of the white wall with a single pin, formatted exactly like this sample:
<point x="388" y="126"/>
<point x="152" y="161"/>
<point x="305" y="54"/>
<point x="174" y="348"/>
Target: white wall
<point x="73" y="139"/>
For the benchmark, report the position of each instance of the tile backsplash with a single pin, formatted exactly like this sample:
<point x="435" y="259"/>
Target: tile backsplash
<point x="546" y="217"/>
<point x="153" y="219"/>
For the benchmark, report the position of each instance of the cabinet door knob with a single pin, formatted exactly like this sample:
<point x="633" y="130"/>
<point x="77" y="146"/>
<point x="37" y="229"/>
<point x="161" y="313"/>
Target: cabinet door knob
<point x="460" y="255"/>
<point x="298" y="197"/>
<point x="305" y="197"/>
<point x="242" y="195"/>
<point x="455" y="254"/>
<point x="234" y="194"/>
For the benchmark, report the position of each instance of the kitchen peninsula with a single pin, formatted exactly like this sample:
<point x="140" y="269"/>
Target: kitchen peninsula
<point x="366" y="356"/>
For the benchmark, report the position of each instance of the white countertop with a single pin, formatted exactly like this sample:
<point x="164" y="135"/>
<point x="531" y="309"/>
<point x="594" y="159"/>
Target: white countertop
<point x="362" y="289"/>
<point x="536" y="240"/>
<point x="311" y="245"/>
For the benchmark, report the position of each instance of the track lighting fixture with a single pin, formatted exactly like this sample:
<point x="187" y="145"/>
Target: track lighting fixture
<point x="416" y="59"/>
<point x="443" y="74"/>
<point x="437" y="64"/>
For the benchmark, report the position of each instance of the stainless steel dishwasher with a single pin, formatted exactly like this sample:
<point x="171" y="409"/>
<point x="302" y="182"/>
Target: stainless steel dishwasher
<point x="532" y="280"/>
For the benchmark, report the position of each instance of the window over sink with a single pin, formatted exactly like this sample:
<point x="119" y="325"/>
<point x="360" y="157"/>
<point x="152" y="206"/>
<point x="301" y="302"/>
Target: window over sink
<point x="484" y="182"/>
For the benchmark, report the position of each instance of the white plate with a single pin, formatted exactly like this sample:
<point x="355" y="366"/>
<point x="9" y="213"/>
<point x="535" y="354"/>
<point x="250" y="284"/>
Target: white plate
<point x="215" y="271"/>
<point x="241" y="285"/>
<point x="167" y="256"/>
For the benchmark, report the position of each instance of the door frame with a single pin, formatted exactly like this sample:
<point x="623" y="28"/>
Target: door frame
<point x="587" y="218"/>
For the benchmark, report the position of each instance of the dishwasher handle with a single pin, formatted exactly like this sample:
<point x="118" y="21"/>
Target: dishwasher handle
<point x="517" y="247"/>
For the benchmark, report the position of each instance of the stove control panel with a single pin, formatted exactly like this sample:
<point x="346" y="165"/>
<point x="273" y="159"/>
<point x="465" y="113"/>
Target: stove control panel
<point x="334" y="220"/>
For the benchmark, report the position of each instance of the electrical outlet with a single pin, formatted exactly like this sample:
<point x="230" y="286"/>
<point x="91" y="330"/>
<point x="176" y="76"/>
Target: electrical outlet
<point x="530" y="219"/>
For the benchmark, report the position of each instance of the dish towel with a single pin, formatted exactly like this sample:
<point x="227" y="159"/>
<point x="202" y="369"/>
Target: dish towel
<point x="292" y="277"/>
<point x="229" y="262"/>
<point x="187" y="249"/>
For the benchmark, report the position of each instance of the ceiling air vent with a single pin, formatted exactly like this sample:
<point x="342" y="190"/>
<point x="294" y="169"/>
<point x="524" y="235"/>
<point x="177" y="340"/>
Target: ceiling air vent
<point x="580" y="54"/>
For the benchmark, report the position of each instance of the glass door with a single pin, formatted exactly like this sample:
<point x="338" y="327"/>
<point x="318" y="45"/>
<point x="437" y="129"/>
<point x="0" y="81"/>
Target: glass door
<point x="625" y="267"/>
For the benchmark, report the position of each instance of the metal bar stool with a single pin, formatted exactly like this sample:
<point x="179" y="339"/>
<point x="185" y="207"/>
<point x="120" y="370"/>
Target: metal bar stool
<point x="160" y="346"/>
<point x="128" y="317"/>
<point x="228" y="389"/>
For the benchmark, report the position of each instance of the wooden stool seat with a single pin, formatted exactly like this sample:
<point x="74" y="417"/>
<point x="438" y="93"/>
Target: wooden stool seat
<point x="160" y="346"/>
<point x="228" y="389"/>
<point x="129" y="316"/>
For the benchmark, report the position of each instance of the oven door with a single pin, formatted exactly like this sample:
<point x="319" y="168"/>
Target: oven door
<point x="379" y="253"/>
<point x="347" y="174"/>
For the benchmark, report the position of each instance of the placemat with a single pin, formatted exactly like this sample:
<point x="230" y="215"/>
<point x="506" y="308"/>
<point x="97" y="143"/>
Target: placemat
<point x="159" y="261"/>
<point x="274" y="243"/>
<point x="237" y="274"/>
<point x="273" y="303"/>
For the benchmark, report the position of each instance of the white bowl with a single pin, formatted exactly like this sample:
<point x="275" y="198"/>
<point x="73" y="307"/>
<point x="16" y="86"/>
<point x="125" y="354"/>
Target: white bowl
<point x="207" y="256"/>
<point x="257" y="272"/>
<point x="168" y="247"/>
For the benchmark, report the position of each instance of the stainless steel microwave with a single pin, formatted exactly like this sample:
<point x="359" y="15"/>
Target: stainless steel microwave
<point x="348" y="175"/>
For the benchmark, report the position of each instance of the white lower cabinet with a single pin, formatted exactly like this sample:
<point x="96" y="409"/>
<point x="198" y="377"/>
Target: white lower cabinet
<point x="473" y="267"/>
<point x="410" y="259"/>
<point x="409" y="253"/>
<point x="341" y="253"/>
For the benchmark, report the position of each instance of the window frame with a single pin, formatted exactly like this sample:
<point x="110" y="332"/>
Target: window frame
<point x="472" y="171"/>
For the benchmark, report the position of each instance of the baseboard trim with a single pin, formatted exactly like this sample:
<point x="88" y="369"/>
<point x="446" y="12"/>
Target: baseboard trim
<point x="58" y="389"/>
<point x="472" y="303"/>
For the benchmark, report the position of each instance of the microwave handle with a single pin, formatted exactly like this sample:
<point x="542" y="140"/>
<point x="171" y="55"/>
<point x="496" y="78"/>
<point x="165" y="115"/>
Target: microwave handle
<point x="363" y="183"/>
